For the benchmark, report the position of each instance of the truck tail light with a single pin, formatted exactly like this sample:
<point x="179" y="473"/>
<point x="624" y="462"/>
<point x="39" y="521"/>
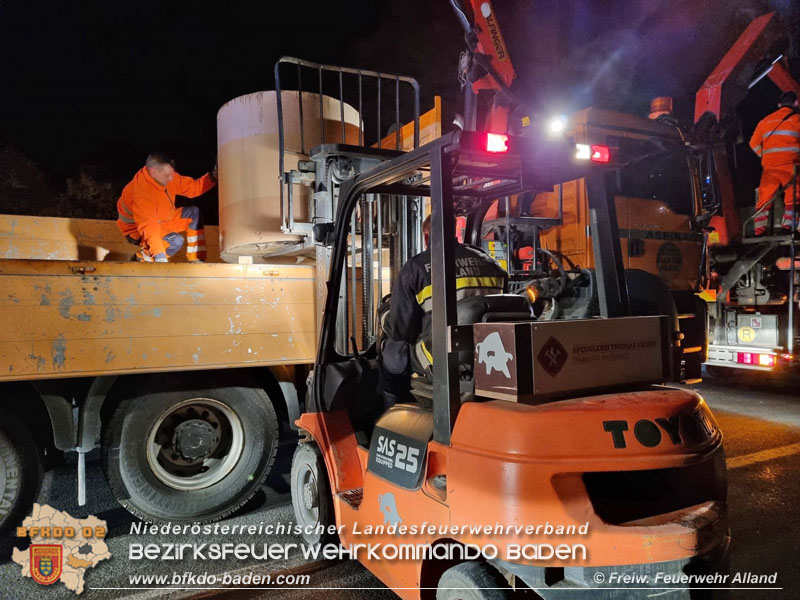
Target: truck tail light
<point x="600" y="154"/>
<point x="753" y="358"/>
<point x="497" y="143"/>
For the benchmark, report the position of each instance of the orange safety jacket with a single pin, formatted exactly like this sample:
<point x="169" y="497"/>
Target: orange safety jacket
<point x="145" y="205"/>
<point x="777" y="138"/>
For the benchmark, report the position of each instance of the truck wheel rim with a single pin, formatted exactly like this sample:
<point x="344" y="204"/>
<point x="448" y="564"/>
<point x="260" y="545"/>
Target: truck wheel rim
<point x="220" y="449"/>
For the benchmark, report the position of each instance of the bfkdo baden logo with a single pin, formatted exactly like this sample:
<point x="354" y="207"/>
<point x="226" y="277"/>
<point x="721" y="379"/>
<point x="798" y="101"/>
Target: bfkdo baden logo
<point x="45" y="562"/>
<point x="62" y="547"/>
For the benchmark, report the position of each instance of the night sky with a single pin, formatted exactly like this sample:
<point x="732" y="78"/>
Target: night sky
<point x="98" y="85"/>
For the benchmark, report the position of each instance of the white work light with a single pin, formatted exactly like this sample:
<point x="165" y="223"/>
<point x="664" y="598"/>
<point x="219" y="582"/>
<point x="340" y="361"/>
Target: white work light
<point x="557" y="125"/>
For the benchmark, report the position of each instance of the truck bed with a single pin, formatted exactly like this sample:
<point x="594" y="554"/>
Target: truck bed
<point x="59" y="238"/>
<point x="71" y="318"/>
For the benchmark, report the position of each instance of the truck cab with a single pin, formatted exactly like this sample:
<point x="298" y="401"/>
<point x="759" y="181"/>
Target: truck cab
<point x="655" y="200"/>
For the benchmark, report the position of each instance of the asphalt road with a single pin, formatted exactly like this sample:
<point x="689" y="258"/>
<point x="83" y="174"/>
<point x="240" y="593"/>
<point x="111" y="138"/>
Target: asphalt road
<point x="759" y="417"/>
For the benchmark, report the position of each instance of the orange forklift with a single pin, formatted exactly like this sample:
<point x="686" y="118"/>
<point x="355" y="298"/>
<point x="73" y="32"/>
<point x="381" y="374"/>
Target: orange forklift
<point x="538" y="455"/>
<point x="544" y="457"/>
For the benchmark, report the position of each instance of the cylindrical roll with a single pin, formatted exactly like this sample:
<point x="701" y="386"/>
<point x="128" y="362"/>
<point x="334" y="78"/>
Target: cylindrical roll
<point x="248" y="158"/>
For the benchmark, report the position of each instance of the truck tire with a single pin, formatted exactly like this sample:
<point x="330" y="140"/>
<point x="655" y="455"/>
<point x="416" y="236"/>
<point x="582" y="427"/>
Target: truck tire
<point x="20" y="471"/>
<point x="311" y="493"/>
<point x="472" y="581"/>
<point x="190" y="456"/>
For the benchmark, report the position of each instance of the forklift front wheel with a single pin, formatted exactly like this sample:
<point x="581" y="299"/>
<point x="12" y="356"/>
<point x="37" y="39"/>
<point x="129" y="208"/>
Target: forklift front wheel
<point x="311" y="495"/>
<point x="472" y="581"/>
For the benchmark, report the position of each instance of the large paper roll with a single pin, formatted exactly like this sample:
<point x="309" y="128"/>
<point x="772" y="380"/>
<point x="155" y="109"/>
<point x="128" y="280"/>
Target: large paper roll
<point x="248" y="159"/>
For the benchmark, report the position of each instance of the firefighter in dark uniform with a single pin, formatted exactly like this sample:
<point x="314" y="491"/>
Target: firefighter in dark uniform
<point x="407" y="344"/>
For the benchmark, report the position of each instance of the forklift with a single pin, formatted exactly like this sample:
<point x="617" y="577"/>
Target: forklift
<point x="539" y="457"/>
<point x="525" y="435"/>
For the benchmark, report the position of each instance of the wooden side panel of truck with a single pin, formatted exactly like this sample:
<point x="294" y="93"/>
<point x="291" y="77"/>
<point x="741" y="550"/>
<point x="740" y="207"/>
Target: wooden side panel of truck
<point x="70" y="318"/>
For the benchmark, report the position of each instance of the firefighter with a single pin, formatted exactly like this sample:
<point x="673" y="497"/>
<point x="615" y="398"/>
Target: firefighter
<point x="148" y="217"/>
<point x="776" y="141"/>
<point x="408" y="323"/>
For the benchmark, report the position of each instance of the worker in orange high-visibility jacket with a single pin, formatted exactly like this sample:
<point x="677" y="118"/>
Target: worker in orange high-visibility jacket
<point x="777" y="141"/>
<point x="147" y="215"/>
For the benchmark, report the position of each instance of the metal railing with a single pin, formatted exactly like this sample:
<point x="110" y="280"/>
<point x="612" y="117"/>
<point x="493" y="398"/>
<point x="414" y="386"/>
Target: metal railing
<point x="346" y="80"/>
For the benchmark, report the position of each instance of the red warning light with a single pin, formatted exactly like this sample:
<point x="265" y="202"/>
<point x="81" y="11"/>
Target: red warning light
<point x="600" y="154"/>
<point x="496" y="142"/>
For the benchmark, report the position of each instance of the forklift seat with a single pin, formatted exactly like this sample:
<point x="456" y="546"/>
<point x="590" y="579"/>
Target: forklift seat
<point x="492" y="308"/>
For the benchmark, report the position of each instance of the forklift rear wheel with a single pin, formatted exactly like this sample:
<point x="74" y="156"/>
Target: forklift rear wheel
<point x="311" y="495"/>
<point x="191" y="456"/>
<point x="20" y="470"/>
<point x="472" y="581"/>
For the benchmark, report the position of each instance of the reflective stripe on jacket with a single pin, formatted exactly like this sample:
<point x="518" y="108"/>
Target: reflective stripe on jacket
<point x="144" y="204"/>
<point x="477" y="274"/>
<point x="777" y="138"/>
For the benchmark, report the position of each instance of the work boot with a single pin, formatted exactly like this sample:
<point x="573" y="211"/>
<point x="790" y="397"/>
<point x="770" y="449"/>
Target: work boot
<point x="145" y="256"/>
<point x="760" y="224"/>
<point x="788" y="220"/>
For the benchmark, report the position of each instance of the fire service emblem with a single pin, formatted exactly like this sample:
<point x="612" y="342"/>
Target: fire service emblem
<point x="46" y="562"/>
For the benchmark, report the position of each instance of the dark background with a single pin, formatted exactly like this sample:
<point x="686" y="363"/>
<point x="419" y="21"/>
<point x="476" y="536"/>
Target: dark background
<point x="89" y="88"/>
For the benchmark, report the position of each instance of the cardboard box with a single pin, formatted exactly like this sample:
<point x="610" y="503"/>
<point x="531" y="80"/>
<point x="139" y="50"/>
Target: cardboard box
<point x="537" y="360"/>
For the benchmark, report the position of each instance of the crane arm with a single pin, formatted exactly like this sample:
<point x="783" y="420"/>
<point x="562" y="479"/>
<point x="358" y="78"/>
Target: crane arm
<point x="489" y="52"/>
<point x="733" y="76"/>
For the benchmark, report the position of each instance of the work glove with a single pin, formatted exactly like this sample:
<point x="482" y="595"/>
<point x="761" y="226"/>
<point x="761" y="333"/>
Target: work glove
<point x="213" y="174"/>
<point x="161" y="257"/>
